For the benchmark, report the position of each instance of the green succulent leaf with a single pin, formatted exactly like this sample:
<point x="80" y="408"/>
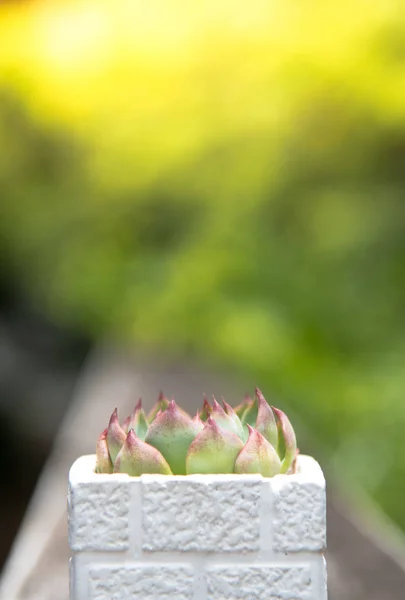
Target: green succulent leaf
<point x="206" y="410"/>
<point x="287" y="443"/>
<point x="171" y="433"/>
<point x="258" y="456"/>
<point x="138" y="421"/>
<point x="226" y="421"/>
<point x="250" y="414"/>
<point x="241" y="408"/>
<point x="115" y="436"/>
<point x="197" y="420"/>
<point x="125" y="424"/>
<point x="214" y="450"/>
<point x="243" y="432"/>
<point x="136" y="458"/>
<point x="160" y="406"/>
<point x="103" y="459"/>
<point x="266" y="421"/>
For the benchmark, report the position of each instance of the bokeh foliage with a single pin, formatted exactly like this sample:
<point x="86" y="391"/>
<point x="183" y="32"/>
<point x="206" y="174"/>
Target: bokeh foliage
<point x="223" y="179"/>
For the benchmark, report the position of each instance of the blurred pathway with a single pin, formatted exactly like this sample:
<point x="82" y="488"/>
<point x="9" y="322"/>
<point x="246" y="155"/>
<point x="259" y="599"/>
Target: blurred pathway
<point x="365" y="560"/>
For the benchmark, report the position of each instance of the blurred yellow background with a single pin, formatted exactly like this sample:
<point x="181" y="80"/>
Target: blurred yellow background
<point x="221" y="180"/>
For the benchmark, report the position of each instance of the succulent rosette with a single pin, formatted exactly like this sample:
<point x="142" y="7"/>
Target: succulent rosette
<point x="252" y="438"/>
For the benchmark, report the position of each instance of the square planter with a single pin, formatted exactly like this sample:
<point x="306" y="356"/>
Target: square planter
<point x="197" y="537"/>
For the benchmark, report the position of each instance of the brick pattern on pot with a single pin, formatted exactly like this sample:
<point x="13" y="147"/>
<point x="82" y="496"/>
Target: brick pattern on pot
<point x="191" y="515"/>
<point x="257" y="582"/>
<point x="198" y="537"/>
<point x="300" y="517"/>
<point x="138" y="582"/>
<point x="98" y="517"/>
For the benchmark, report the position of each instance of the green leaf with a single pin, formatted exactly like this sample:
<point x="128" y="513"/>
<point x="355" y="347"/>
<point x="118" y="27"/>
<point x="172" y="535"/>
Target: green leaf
<point x="235" y="424"/>
<point x="161" y="405"/>
<point x="241" y="408"/>
<point x="287" y="443"/>
<point x="258" y="456"/>
<point x="250" y="414"/>
<point x="197" y="420"/>
<point x="171" y="433"/>
<point x="103" y="459"/>
<point x="206" y="410"/>
<point x="265" y="421"/>
<point x="138" y="421"/>
<point x="214" y="450"/>
<point x="115" y="436"/>
<point x="136" y="458"/>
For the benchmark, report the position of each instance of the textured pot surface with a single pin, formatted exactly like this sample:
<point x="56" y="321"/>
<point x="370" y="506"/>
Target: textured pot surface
<point x="197" y="537"/>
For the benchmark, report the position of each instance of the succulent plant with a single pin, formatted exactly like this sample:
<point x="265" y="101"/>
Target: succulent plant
<point x="252" y="438"/>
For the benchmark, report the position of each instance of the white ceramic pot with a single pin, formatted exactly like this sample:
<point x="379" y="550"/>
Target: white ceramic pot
<point x="197" y="537"/>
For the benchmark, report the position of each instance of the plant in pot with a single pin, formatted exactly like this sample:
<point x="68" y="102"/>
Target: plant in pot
<point x="219" y="507"/>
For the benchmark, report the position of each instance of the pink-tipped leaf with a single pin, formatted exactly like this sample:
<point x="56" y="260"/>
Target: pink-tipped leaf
<point x="265" y="420"/>
<point x="214" y="450"/>
<point x="227" y="418"/>
<point x="258" y="456"/>
<point x="161" y="405"/>
<point x="242" y="406"/>
<point x="125" y="424"/>
<point x="115" y="436"/>
<point x="243" y="434"/>
<point x="206" y="410"/>
<point x="249" y="415"/>
<point x="197" y="420"/>
<point x="136" y="458"/>
<point x="287" y="443"/>
<point x="103" y="459"/>
<point x="138" y="421"/>
<point x="171" y="433"/>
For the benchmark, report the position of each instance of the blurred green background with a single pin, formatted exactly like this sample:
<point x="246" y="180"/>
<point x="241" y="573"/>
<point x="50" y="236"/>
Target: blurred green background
<point x="223" y="181"/>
